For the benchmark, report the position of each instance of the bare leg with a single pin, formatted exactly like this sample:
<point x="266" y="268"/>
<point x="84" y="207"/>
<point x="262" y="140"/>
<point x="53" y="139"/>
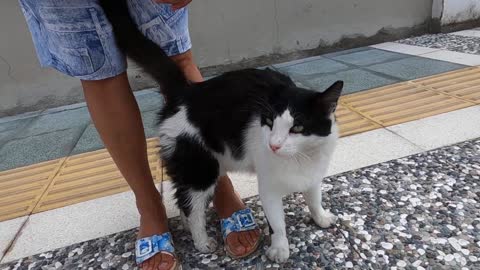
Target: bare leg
<point x="226" y="200"/>
<point x="108" y="101"/>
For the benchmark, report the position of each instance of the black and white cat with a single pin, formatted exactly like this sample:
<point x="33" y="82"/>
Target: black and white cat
<point x="247" y="120"/>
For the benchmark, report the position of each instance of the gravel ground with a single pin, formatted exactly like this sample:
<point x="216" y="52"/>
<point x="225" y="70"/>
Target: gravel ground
<point x="417" y="212"/>
<point x="449" y="42"/>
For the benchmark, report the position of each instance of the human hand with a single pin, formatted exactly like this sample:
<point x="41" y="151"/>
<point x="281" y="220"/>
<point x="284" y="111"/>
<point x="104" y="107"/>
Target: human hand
<point x="176" y="4"/>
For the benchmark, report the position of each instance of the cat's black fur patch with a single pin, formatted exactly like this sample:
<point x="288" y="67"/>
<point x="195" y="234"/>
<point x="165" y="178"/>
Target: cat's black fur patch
<point x="221" y="109"/>
<point x="188" y="163"/>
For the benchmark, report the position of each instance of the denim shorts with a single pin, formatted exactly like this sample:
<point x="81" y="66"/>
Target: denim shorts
<point x="75" y="37"/>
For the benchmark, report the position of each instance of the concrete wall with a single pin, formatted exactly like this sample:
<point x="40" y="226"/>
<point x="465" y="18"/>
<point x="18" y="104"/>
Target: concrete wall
<point x="223" y="32"/>
<point x="456" y="11"/>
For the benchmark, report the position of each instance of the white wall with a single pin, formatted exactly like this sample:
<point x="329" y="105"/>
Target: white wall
<point x="223" y="32"/>
<point x="455" y="11"/>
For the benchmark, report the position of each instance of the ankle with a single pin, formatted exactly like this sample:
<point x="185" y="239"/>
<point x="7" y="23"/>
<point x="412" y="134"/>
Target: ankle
<point x="228" y="204"/>
<point x="147" y="203"/>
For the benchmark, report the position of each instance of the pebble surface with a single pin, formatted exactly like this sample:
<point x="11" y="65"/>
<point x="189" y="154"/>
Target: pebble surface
<point x="451" y="42"/>
<point x="417" y="212"/>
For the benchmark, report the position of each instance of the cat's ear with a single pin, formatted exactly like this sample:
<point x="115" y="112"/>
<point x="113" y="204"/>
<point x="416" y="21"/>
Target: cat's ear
<point x="329" y="98"/>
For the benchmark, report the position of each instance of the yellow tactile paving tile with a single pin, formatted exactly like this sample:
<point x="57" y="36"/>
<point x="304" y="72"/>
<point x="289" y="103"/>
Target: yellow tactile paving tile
<point x="22" y="188"/>
<point x="90" y="175"/>
<point x="351" y="122"/>
<point x="87" y="176"/>
<point x="464" y="84"/>
<point x="402" y="103"/>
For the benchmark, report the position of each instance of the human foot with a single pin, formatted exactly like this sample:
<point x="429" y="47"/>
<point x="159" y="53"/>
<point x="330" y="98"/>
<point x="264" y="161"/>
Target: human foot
<point x="153" y="221"/>
<point x="227" y="202"/>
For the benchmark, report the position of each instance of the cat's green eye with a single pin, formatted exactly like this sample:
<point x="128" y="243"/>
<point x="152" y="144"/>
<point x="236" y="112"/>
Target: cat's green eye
<point x="296" y="129"/>
<point x="269" y="122"/>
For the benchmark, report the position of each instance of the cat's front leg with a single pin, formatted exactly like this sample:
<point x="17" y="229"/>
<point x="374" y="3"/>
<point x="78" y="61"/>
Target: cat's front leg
<point x="313" y="198"/>
<point x="273" y="208"/>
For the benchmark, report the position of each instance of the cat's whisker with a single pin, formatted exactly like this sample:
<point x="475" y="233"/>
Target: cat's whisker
<point x="304" y="156"/>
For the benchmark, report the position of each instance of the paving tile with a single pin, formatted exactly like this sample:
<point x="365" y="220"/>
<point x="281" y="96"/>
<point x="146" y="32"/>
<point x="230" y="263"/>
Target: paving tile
<point x="75" y="223"/>
<point x="19" y="116"/>
<point x="150" y="123"/>
<point x="65" y="108"/>
<point x="355" y="80"/>
<point x="414" y="68"/>
<point x="443" y="129"/>
<point x="403" y="48"/>
<point x="89" y="141"/>
<point x="297" y="61"/>
<point x="149" y="100"/>
<point x="8" y="230"/>
<point x="35" y="149"/>
<point x="343" y="52"/>
<point x="368" y="57"/>
<point x="318" y="66"/>
<point x="369" y="148"/>
<point x="46" y="123"/>
<point x="467" y="33"/>
<point x="454" y="57"/>
<point x="9" y="129"/>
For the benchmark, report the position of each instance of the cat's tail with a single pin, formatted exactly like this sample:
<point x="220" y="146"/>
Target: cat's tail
<point x="143" y="51"/>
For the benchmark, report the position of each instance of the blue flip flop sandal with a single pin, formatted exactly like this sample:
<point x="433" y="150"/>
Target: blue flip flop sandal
<point x="240" y="221"/>
<point x="146" y="248"/>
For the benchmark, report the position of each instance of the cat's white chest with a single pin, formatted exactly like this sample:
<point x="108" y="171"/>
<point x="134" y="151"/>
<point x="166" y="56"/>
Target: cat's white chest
<point x="288" y="177"/>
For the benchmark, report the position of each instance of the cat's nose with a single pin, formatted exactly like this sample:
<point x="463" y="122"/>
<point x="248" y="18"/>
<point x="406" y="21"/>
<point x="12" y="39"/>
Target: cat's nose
<point x="274" y="147"/>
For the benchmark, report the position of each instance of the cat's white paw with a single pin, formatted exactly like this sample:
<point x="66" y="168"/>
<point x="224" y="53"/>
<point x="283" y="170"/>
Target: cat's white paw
<point x="207" y="246"/>
<point x="278" y="254"/>
<point x="325" y="219"/>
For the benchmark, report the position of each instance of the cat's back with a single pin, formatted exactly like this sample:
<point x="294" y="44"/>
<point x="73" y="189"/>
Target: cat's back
<point x="237" y="87"/>
<point x="230" y="101"/>
<point x="219" y="112"/>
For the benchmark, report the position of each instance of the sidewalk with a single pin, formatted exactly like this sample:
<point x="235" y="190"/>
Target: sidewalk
<point x="420" y="211"/>
<point x="425" y="202"/>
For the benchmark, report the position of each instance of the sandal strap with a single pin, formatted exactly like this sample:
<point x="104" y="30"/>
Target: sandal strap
<point x="147" y="247"/>
<point x="240" y="221"/>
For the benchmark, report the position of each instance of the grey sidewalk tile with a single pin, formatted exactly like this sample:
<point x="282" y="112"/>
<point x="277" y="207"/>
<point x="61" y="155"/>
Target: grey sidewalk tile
<point x="318" y="66"/>
<point x="148" y="101"/>
<point x="355" y="80"/>
<point x="150" y="123"/>
<point x="296" y="62"/>
<point x="58" y="121"/>
<point x="369" y="57"/>
<point x="35" y="149"/>
<point x="19" y="116"/>
<point x="414" y="67"/>
<point x="349" y="51"/>
<point x="9" y="129"/>
<point x="89" y="141"/>
<point x="65" y="108"/>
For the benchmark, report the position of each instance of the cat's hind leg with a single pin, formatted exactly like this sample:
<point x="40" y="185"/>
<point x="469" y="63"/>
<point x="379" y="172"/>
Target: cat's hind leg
<point x="313" y="198"/>
<point x="194" y="172"/>
<point x="195" y="217"/>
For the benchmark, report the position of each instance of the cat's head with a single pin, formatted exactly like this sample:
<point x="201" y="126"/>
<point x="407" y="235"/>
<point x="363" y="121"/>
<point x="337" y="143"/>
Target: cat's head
<point x="297" y="121"/>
